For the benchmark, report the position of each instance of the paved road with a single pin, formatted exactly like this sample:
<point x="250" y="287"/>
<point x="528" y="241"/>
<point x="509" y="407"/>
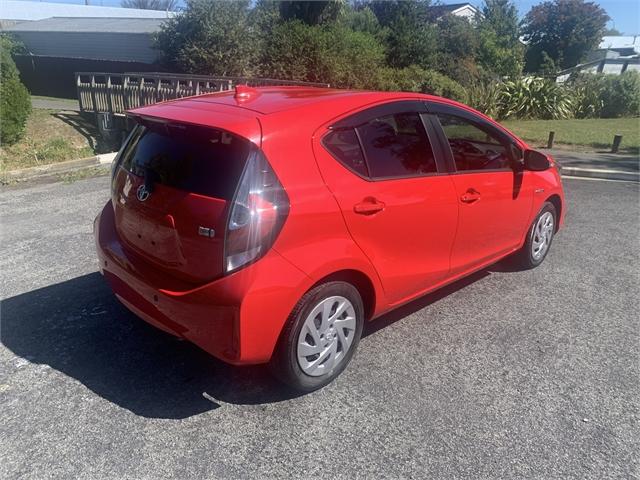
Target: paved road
<point x="600" y="160"/>
<point x="506" y="375"/>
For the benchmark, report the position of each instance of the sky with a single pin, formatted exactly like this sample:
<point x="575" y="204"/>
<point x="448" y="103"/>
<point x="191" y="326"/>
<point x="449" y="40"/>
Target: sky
<point x="625" y="14"/>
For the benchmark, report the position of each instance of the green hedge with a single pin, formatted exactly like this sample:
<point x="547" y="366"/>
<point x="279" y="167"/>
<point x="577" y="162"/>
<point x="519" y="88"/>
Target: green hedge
<point x="607" y="96"/>
<point x="322" y="53"/>
<point x="417" y="79"/>
<point x="15" y="103"/>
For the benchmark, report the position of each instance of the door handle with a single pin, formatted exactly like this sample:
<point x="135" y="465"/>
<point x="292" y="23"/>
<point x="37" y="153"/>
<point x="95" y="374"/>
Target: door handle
<point x="470" y="196"/>
<point x="368" y="206"/>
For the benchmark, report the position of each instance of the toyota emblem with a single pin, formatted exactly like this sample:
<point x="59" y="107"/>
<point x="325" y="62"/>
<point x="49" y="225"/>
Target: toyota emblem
<point x="142" y="193"/>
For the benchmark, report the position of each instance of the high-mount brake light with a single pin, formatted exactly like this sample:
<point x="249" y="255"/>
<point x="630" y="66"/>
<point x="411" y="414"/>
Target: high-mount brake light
<point x="258" y="211"/>
<point x="244" y="93"/>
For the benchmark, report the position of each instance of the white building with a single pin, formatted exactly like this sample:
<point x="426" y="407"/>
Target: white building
<point x="463" y="10"/>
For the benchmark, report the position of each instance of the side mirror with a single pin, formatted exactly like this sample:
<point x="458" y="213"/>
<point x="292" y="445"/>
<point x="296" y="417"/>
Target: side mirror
<point x="536" y="161"/>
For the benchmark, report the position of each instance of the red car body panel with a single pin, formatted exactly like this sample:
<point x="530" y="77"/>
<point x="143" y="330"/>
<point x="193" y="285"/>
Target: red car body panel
<point x="425" y="237"/>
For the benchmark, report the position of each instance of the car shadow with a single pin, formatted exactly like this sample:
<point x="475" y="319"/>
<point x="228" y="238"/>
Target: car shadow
<point x="422" y="302"/>
<point x="85" y="125"/>
<point x="80" y="329"/>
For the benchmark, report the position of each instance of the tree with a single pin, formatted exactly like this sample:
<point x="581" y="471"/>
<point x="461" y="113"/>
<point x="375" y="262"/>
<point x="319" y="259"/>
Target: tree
<point x="457" y="49"/>
<point x="264" y="16"/>
<point x="331" y="53"/>
<point x="412" y="38"/>
<point x="167" y="5"/>
<point x="500" y="51"/>
<point x="363" y="20"/>
<point x="15" y="102"/>
<point x="210" y="38"/>
<point x="566" y="30"/>
<point x="311" y="12"/>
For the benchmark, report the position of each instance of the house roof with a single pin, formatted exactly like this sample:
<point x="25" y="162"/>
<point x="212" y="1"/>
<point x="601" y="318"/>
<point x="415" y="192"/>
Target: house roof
<point x="90" y="25"/>
<point x="452" y="8"/>
<point x="20" y="10"/>
<point x="614" y="42"/>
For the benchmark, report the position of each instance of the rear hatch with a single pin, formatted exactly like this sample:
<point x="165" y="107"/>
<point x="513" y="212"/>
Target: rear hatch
<point x="172" y="188"/>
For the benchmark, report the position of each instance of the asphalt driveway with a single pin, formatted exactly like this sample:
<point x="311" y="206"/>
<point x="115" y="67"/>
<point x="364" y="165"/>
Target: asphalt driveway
<point x="506" y="374"/>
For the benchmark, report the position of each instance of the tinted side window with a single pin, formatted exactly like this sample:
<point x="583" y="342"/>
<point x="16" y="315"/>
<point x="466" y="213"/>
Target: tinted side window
<point x="344" y="145"/>
<point x="473" y="148"/>
<point x="397" y="145"/>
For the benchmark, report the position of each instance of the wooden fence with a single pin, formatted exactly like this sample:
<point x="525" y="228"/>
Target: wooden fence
<point x="117" y="92"/>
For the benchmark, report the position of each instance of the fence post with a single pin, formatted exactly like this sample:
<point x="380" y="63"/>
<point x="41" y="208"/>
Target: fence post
<point x="141" y="95"/>
<point x="552" y="134"/>
<point x="109" y="100"/>
<point x="79" y="92"/>
<point x="125" y="92"/>
<point x="176" y="86"/>
<point x="617" y="140"/>
<point x="93" y="93"/>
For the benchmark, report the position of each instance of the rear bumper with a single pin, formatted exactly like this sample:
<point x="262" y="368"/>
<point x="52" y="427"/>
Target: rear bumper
<point x="237" y="318"/>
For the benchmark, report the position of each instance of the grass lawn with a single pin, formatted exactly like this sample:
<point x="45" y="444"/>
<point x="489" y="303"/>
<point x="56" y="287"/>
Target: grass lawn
<point x="50" y="137"/>
<point x="593" y="134"/>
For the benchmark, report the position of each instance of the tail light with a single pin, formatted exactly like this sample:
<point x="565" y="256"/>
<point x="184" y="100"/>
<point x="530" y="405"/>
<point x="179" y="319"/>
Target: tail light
<point x="258" y="211"/>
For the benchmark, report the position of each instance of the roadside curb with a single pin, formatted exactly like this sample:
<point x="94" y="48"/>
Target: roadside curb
<point x="600" y="173"/>
<point x="51" y="169"/>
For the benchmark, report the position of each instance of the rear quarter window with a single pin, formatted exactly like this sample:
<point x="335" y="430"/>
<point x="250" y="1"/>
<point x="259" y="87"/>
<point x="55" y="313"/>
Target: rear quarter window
<point x="344" y="146"/>
<point x="194" y="159"/>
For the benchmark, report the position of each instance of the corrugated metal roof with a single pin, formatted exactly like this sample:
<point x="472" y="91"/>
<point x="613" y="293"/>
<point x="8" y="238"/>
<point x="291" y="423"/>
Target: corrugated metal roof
<point x="25" y="10"/>
<point x="620" y="41"/>
<point x="92" y="25"/>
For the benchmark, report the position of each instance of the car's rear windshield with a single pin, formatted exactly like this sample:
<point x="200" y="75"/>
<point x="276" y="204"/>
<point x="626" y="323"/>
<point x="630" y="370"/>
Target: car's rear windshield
<point x="191" y="158"/>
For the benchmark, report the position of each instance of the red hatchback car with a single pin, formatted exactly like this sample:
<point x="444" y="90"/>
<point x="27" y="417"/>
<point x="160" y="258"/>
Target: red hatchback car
<point x="268" y="224"/>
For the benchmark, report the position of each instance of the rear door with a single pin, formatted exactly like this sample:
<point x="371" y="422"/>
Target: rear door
<point x="172" y="187"/>
<point x="494" y="193"/>
<point x="398" y="203"/>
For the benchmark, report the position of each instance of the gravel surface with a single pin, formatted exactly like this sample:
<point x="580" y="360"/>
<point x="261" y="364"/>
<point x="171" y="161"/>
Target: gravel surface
<point x="506" y="374"/>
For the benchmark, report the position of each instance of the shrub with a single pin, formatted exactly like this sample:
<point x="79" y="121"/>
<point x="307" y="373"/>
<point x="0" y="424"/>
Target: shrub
<point x="15" y="103"/>
<point x="412" y="38"/>
<point x="621" y="95"/>
<point x="209" y="38"/>
<point x="485" y="97"/>
<point x="533" y="97"/>
<point x="606" y="96"/>
<point x="417" y="79"/>
<point x="323" y="53"/>
<point x="587" y="95"/>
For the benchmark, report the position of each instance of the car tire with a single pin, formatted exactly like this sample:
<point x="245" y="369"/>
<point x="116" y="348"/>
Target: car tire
<point x="315" y="327"/>
<point x="539" y="238"/>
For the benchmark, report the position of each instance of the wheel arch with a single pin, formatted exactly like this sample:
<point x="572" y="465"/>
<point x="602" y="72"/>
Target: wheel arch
<point x="360" y="281"/>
